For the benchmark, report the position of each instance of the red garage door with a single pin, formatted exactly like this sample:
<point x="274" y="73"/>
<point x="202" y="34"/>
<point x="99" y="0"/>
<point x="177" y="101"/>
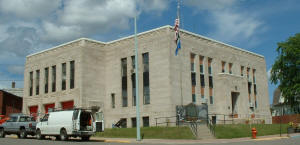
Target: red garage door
<point x="48" y="106"/>
<point x="33" y="111"/>
<point x="67" y="105"/>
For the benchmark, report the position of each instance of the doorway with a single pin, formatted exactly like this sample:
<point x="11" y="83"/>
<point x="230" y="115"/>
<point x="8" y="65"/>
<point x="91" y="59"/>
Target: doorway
<point x="234" y="98"/>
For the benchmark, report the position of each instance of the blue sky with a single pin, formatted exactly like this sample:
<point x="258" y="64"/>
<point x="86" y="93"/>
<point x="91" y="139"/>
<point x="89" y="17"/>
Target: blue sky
<point x="34" y="25"/>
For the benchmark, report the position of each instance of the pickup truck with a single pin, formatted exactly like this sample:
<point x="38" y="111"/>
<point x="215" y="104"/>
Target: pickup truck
<point x="19" y="124"/>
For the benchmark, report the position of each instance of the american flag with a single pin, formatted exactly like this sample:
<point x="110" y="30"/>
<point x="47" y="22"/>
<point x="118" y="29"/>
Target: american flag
<point x="177" y="37"/>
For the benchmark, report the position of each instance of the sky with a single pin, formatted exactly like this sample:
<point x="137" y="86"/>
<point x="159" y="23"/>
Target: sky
<point x="29" y="26"/>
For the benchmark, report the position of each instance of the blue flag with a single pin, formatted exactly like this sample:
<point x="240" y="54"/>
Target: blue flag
<point x="178" y="47"/>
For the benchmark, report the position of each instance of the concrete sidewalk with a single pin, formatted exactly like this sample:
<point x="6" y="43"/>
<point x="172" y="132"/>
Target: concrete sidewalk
<point x="187" y="141"/>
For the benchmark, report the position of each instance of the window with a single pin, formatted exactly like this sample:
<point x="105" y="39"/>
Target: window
<point x="63" y="76"/>
<point x="248" y="69"/>
<point x="230" y="67"/>
<point x="254" y="87"/>
<point x="37" y="82"/>
<point x="53" y="78"/>
<point x="249" y="87"/>
<point x="124" y="91"/>
<point x="146" y="83"/>
<point x="201" y="58"/>
<point x="223" y="66"/>
<point x="146" y="121"/>
<point x="194" y="98"/>
<point x="209" y="66"/>
<point x="211" y="82"/>
<point x="30" y="83"/>
<point x="72" y="74"/>
<point x="242" y="70"/>
<point x="254" y="80"/>
<point x="202" y="80"/>
<point x="133" y="62"/>
<point x="211" y="99"/>
<point x="124" y="66"/>
<point x="192" y="62"/>
<point x="146" y="62"/>
<point x="46" y="79"/>
<point x="113" y="100"/>
<point x="124" y="82"/>
<point x="193" y="78"/>
<point x="133" y="89"/>
<point x="146" y="88"/>
<point x="133" y="122"/>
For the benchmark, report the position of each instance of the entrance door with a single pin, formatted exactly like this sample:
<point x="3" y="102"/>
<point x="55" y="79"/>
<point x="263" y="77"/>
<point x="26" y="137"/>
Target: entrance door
<point x="234" y="98"/>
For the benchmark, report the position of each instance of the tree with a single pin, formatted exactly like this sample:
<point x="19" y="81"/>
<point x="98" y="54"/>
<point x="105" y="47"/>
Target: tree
<point x="286" y="70"/>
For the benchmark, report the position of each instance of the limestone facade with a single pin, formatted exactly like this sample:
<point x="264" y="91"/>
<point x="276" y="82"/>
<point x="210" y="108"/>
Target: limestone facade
<point x="98" y="77"/>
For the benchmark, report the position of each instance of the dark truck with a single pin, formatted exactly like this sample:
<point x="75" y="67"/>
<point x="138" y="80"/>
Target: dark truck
<point x="19" y="124"/>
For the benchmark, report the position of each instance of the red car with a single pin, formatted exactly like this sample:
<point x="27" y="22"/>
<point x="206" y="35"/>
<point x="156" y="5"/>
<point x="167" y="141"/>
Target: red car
<point x="3" y="119"/>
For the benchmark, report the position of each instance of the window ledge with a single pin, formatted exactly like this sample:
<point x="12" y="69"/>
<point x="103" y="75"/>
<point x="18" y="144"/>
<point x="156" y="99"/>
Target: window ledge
<point x="233" y="75"/>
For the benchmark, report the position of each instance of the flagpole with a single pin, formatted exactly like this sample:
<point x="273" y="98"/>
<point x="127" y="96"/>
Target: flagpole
<point x="178" y="17"/>
<point x="138" y="132"/>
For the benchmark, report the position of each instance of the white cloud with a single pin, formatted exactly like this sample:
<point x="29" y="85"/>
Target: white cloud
<point x="16" y="69"/>
<point x="29" y="8"/>
<point x="210" y="4"/>
<point x="231" y="26"/>
<point x="153" y="5"/>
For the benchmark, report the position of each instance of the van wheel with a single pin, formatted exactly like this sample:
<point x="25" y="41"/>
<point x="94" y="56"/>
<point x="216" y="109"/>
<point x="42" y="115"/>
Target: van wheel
<point x="85" y="138"/>
<point x="23" y="133"/>
<point x="63" y="135"/>
<point x="39" y="135"/>
<point x="2" y="133"/>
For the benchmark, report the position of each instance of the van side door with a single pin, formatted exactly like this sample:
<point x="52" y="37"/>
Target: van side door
<point x="44" y="124"/>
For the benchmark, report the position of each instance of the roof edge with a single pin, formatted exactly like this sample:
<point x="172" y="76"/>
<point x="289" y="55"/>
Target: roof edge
<point x="64" y="44"/>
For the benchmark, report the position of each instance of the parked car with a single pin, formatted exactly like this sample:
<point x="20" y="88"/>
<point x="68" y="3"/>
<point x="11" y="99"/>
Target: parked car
<point x="3" y="119"/>
<point x="19" y="124"/>
<point x="67" y="123"/>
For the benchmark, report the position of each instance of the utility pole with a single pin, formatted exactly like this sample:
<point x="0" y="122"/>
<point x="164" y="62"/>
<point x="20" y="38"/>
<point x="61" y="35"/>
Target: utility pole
<point x="138" y="131"/>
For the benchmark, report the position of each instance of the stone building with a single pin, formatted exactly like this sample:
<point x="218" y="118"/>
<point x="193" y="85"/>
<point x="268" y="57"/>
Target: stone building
<point x="86" y="73"/>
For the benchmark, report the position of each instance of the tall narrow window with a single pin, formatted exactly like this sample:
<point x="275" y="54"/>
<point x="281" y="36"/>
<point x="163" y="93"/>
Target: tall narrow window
<point x="201" y="59"/>
<point x="223" y="66"/>
<point x="133" y="89"/>
<point x="230" y="67"/>
<point x="193" y="77"/>
<point x="209" y="66"/>
<point x="192" y="62"/>
<point x="124" y="82"/>
<point x="133" y="122"/>
<point x="46" y="79"/>
<point x="146" y="83"/>
<point x="37" y="82"/>
<point x="248" y="69"/>
<point x="63" y="76"/>
<point x="242" y="70"/>
<point x="72" y="74"/>
<point x="113" y="102"/>
<point x="30" y="83"/>
<point x="210" y="81"/>
<point x="133" y="80"/>
<point x="254" y="79"/>
<point x="53" y="78"/>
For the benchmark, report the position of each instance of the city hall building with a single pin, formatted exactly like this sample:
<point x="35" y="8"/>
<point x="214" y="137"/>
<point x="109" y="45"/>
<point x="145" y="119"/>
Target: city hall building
<point x="84" y="73"/>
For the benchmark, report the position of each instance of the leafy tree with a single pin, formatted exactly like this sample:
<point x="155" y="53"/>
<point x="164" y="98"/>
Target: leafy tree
<point x="286" y="70"/>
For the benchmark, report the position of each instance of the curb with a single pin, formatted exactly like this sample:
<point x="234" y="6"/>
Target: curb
<point x="270" y="138"/>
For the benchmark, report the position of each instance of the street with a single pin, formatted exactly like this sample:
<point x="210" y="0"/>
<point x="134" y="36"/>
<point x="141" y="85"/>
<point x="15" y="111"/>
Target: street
<point x="32" y="141"/>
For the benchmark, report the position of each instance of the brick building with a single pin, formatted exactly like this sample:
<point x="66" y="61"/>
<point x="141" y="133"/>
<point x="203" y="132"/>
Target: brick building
<point x="86" y="73"/>
<point x="10" y="103"/>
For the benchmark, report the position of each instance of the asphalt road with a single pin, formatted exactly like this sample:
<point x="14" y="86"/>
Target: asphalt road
<point x="31" y="141"/>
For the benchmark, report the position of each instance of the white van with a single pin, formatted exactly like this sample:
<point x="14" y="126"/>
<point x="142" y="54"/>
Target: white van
<point x="67" y="123"/>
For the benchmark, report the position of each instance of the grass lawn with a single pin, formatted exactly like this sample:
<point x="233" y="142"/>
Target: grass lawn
<point x="244" y="130"/>
<point x="149" y="133"/>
